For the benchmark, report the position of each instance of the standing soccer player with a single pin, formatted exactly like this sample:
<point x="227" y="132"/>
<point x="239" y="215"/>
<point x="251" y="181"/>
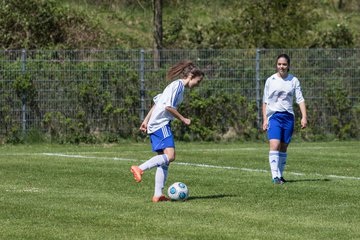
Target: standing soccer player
<point x="157" y="123"/>
<point x="278" y="114"/>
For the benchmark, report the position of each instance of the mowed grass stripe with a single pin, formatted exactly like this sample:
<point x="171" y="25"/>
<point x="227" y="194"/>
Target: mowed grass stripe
<point x="193" y="164"/>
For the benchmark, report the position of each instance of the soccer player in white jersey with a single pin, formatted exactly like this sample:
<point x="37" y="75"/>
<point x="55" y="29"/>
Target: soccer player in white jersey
<point x="278" y="114"/>
<point x="157" y="123"/>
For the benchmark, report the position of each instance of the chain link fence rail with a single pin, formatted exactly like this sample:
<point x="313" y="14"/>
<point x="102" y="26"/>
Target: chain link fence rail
<point x="88" y="91"/>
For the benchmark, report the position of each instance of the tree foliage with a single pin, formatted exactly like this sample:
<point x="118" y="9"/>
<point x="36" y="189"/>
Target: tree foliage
<point x="43" y="24"/>
<point x="339" y="36"/>
<point x="277" y="24"/>
<point x="34" y="24"/>
<point x="260" y="24"/>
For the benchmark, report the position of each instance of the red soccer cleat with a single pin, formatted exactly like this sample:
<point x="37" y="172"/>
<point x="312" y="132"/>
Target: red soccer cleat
<point x="137" y="173"/>
<point x="162" y="198"/>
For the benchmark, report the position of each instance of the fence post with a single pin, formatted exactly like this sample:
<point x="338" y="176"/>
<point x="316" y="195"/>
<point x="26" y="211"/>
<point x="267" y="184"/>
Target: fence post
<point x="142" y="85"/>
<point x="23" y="97"/>
<point x="258" y="99"/>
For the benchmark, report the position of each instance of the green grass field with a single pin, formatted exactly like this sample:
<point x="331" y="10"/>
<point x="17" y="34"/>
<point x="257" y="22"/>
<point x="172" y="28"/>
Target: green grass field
<point x="87" y="192"/>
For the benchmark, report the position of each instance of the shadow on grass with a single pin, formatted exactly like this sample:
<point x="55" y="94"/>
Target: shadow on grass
<point x="210" y="196"/>
<point x="308" y="180"/>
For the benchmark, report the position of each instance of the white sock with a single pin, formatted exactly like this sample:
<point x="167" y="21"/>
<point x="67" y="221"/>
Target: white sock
<point x="282" y="162"/>
<point x="160" y="179"/>
<point x="274" y="163"/>
<point x="155" y="161"/>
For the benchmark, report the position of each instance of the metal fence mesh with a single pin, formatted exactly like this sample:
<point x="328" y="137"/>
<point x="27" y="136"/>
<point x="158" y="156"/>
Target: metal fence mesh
<point x="111" y="90"/>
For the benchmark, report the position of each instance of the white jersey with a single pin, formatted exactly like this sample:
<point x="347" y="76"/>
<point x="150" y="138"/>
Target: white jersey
<point x="279" y="93"/>
<point x="172" y="96"/>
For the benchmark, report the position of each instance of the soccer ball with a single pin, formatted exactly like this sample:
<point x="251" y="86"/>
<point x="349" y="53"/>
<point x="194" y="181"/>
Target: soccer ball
<point x="178" y="191"/>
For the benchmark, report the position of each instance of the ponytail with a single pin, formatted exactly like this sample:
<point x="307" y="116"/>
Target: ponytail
<point x="183" y="69"/>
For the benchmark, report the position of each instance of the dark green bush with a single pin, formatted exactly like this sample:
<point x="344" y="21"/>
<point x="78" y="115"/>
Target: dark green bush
<point x="43" y="24"/>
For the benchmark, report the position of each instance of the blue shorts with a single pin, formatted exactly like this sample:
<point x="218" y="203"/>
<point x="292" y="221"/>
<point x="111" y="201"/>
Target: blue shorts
<point x="281" y="126"/>
<point x="161" y="139"/>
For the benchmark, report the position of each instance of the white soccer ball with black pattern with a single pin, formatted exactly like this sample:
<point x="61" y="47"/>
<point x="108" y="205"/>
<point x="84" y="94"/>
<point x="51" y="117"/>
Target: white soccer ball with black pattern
<point x="178" y="191"/>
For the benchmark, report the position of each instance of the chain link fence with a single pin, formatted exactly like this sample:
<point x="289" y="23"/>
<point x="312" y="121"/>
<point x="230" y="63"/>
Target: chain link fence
<point x="94" y="91"/>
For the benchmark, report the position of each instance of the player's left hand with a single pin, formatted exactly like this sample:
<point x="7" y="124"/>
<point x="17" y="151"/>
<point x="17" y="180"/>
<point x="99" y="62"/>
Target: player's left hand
<point x="303" y="123"/>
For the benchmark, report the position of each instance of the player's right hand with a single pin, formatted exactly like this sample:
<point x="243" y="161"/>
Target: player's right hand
<point x="187" y="121"/>
<point x="265" y="125"/>
<point x="143" y="127"/>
